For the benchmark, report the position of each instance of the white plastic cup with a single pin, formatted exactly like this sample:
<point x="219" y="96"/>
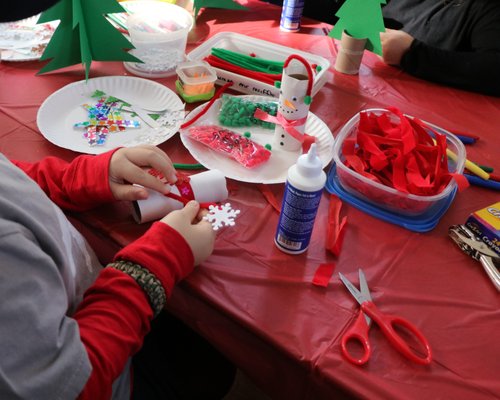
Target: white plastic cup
<point x="159" y="34"/>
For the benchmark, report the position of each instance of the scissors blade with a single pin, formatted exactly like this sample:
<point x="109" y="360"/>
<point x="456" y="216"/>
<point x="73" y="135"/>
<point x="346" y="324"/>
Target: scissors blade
<point x="360" y="297"/>
<point x="363" y="285"/>
<point x="356" y="293"/>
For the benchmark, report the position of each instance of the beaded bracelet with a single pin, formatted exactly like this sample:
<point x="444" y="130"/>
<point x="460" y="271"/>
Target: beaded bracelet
<point x="147" y="281"/>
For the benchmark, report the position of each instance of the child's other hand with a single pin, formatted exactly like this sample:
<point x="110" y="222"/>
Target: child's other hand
<point x="127" y="168"/>
<point x="197" y="232"/>
<point x="394" y="45"/>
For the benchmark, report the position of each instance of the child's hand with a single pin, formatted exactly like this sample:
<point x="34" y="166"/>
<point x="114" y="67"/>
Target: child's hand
<point x="198" y="233"/>
<point x="126" y="168"/>
<point x="394" y="45"/>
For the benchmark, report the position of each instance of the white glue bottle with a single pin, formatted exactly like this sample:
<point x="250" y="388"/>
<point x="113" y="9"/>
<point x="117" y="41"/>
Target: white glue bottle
<point x="303" y="191"/>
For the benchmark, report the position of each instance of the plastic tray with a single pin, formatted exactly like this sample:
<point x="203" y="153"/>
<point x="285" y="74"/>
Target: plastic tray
<point x="263" y="49"/>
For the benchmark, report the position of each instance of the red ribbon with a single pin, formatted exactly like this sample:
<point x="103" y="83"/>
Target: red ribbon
<point x="184" y="187"/>
<point x="402" y="155"/>
<point x="288" y="126"/>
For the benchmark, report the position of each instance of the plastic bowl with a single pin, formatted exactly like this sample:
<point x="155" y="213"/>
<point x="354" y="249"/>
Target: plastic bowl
<point x="387" y="197"/>
<point x="159" y="33"/>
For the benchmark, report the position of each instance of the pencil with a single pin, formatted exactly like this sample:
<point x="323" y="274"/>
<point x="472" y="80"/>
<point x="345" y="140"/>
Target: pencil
<point x="476" y="181"/>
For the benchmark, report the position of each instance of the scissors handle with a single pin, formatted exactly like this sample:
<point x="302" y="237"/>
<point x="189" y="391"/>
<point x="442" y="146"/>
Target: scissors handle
<point x="357" y="332"/>
<point x="387" y="324"/>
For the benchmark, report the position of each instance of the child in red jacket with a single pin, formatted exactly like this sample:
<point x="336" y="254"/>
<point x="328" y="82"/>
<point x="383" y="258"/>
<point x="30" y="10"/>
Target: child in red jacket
<point x="68" y="327"/>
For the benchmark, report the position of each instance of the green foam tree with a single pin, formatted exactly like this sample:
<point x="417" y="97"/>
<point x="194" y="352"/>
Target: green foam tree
<point x="361" y="19"/>
<point x="229" y="4"/>
<point x="84" y="34"/>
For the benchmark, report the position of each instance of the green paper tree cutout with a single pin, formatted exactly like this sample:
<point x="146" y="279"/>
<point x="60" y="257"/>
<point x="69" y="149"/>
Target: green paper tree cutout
<point x="229" y="4"/>
<point x="84" y="34"/>
<point x="361" y="19"/>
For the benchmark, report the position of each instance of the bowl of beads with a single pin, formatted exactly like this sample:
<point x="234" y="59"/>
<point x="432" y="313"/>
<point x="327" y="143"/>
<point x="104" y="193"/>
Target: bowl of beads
<point x="398" y="163"/>
<point x="159" y="33"/>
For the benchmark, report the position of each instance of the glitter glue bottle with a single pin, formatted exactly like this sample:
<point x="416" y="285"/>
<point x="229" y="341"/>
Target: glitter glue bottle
<point x="291" y="14"/>
<point x="303" y="190"/>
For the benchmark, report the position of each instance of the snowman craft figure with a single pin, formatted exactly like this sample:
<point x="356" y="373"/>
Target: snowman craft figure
<point x="293" y="104"/>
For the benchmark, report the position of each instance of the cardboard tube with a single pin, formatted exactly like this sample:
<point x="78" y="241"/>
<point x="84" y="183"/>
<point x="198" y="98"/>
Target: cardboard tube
<point x="208" y="186"/>
<point x="350" y="54"/>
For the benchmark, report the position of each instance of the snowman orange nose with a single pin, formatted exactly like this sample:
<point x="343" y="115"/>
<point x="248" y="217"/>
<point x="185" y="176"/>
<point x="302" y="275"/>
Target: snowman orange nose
<point x="289" y="104"/>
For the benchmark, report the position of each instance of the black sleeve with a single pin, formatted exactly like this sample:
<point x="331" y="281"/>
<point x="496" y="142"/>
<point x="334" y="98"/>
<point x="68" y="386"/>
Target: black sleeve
<point x="478" y="68"/>
<point x="475" y="71"/>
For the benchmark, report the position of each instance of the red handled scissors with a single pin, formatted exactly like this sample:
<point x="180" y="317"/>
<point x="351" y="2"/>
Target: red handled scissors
<point x="359" y="330"/>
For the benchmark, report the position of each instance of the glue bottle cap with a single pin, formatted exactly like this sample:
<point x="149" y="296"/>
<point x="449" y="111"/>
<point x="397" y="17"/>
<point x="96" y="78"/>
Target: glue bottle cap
<point x="309" y="165"/>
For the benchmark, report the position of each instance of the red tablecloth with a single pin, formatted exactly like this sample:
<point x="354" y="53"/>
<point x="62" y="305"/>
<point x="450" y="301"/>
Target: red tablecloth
<point x="257" y="304"/>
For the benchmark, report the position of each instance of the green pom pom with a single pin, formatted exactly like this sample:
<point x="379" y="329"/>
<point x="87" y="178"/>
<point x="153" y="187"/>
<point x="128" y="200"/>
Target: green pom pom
<point x="318" y="68"/>
<point x="308" y="100"/>
<point x="268" y="146"/>
<point x="277" y="84"/>
<point x="247" y="134"/>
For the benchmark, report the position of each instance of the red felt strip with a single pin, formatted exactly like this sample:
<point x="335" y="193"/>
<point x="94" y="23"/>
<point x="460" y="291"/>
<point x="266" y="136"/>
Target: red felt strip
<point x="336" y="228"/>
<point x="308" y="141"/>
<point x="270" y="197"/>
<point x="207" y="106"/>
<point x="323" y="274"/>
<point x="400" y="152"/>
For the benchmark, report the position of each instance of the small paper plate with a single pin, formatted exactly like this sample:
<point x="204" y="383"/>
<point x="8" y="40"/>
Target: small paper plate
<point x="63" y="108"/>
<point x="25" y="40"/>
<point x="272" y="171"/>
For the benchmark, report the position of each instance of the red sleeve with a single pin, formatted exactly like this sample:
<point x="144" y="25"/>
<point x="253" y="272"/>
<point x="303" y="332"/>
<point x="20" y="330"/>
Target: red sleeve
<point x="77" y="186"/>
<point x="115" y="314"/>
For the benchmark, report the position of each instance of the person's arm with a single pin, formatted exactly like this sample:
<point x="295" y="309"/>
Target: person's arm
<point x="116" y="312"/>
<point x="475" y="69"/>
<point x="78" y="185"/>
<point x="465" y="70"/>
<point x="89" y="181"/>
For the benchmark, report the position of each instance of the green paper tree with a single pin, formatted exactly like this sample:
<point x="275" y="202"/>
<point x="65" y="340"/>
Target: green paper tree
<point x="229" y="4"/>
<point x="361" y="19"/>
<point x="84" y="34"/>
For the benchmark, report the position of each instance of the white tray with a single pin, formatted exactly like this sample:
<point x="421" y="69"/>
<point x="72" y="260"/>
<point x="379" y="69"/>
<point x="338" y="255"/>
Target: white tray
<point x="262" y="49"/>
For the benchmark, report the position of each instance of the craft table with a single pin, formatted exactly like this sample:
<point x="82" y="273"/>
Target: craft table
<point x="257" y="304"/>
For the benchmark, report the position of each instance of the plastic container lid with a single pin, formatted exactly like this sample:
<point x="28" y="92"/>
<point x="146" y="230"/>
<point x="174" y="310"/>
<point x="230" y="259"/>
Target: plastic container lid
<point x="422" y="223"/>
<point x="196" y="73"/>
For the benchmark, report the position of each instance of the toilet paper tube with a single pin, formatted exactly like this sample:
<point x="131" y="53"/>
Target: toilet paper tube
<point x="208" y="186"/>
<point x="350" y="54"/>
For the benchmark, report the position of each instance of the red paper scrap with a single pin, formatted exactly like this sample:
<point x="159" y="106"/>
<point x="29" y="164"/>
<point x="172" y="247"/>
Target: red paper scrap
<point x="323" y="274"/>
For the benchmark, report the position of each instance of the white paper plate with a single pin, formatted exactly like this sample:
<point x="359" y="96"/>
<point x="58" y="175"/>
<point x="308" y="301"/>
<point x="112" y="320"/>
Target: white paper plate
<point x="272" y="171"/>
<point x="62" y="109"/>
<point x="25" y="40"/>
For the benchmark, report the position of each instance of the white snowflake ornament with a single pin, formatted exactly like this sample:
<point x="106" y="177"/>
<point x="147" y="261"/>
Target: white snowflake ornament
<point x="220" y="216"/>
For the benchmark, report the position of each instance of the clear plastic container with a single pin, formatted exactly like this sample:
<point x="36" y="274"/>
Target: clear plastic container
<point x="387" y="197"/>
<point x="159" y="32"/>
<point x="196" y="81"/>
